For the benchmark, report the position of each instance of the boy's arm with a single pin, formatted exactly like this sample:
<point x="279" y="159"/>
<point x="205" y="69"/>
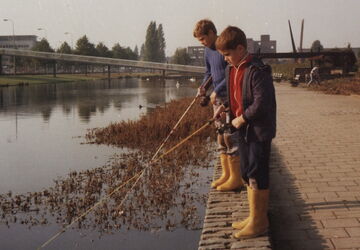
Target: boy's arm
<point x="262" y="92"/>
<point x="220" y="87"/>
<point x="207" y="67"/>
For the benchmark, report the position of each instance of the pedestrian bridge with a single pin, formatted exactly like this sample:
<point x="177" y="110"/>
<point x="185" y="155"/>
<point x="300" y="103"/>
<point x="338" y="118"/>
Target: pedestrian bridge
<point x="101" y="60"/>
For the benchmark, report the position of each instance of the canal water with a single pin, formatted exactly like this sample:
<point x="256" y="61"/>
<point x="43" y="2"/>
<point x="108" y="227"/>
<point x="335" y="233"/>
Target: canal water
<point x="42" y="130"/>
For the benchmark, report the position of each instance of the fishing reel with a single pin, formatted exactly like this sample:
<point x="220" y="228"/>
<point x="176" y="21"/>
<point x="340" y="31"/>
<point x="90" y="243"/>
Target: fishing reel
<point x="223" y="128"/>
<point x="205" y="99"/>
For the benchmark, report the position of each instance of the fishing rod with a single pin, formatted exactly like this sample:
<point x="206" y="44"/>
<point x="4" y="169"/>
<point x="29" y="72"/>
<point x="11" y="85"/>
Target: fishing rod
<point x="137" y="176"/>
<point x="205" y="85"/>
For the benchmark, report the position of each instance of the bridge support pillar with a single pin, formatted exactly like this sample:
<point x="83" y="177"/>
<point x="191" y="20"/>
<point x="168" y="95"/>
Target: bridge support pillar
<point x="109" y="73"/>
<point x="1" y="68"/>
<point x="14" y="65"/>
<point x="163" y="74"/>
<point x="54" y="68"/>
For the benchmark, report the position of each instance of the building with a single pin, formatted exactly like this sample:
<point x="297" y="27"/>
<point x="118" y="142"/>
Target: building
<point x="25" y="42"/>
<point x="196" y="54"/>
<point x="18" y="42"/>
<point x="265" y="45"/>
<point x="356" y="52"/>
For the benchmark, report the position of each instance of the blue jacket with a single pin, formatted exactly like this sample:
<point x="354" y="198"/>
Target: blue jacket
<point x="215" y="67"/>
<point x="259" y="103"/>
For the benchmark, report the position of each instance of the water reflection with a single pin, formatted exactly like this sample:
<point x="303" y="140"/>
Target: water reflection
<point x="39" y="142"/>
<point x="40" y="124"/>
<point x="87" y="98"/>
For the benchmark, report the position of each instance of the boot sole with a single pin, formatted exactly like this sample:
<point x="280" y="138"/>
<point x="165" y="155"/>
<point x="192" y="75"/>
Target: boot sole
<point x="251" y="236"/>
<point x="231" y="189"/>
<point x="239" y="227"/>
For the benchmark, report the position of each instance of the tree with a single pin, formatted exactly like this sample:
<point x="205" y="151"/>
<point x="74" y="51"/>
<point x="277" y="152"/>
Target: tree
<point x="151" y="43"/>
<point x="123" y="53"/>
<point x="154" y="46"/>
<point x="162" y="43"/>
<point x="118" y="51"/>
<point x="64" y="48"/>
<point x="317" y="46"/>
<point x="142" y="52"/>
<point x="84" y="47"/>
<point x="181" y="57"/>
<point x="130" y="54"/>
<point x="43" y="45"/>
<point x="136" y="52"/>
<point x="102" y="50"/>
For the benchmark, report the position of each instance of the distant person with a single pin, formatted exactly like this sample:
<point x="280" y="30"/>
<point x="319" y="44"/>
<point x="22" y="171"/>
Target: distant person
<point x="314" y="76"/>
<point x="252" y="107"/>
<point x="230" y="179"/>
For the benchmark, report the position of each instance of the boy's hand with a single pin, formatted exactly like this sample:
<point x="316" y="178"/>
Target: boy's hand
<point x="201" y="91"/>
<point x="213" y="97"/>
<point x="238" y="122"/>
<point x="220" y="110"/>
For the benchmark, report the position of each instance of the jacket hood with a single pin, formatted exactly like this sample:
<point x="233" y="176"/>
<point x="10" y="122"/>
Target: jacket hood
<point x="258" y="63"/>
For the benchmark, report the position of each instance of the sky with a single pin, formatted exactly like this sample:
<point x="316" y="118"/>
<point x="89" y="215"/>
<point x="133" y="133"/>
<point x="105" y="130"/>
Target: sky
<point x="334" y="22"/>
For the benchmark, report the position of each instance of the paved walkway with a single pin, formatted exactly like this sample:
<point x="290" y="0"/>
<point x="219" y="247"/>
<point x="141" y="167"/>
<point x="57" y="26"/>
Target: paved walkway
<point x="222" y="209"/>
<point x="315" y="178"/>
<point x="315" y="171"/>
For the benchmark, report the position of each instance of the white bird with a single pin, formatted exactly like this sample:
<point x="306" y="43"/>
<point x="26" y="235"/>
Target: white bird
<point x="177" y="84"/>
<point x="192" y="79"/>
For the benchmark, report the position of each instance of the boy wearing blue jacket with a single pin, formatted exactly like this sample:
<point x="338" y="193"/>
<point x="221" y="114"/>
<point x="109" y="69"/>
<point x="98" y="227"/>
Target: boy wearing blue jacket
<point x="228" y="147"/>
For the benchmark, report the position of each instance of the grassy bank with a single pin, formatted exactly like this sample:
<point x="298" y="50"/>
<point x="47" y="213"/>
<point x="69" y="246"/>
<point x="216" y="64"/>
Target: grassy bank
<point x="340" y="86"/>
<point x="37" y="79"/>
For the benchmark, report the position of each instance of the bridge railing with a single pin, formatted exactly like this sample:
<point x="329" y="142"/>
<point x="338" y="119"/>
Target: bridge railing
<point x="101" y="60"/>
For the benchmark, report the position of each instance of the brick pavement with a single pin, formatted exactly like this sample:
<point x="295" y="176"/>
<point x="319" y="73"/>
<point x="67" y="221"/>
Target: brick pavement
<point x="315" y="171"/>
<point x="315" y="179"/>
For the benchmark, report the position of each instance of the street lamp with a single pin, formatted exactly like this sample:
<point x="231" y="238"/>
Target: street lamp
<point x="71" y="39"/>
<point x="44" y="32"/>
<point x="13" y="33"/>
<point x="13" y="29"/>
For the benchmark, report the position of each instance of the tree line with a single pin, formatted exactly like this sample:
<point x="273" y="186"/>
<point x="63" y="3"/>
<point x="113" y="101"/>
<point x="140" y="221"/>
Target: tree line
<point x="153" y="49"/>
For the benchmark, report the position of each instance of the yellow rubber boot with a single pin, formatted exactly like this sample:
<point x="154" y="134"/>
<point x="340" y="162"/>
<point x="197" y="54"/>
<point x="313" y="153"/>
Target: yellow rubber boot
<point x="259" y="222"/>
<point x="225" y="172"/>
<point x="241" y="224"/>
<point x="235" y="180"/>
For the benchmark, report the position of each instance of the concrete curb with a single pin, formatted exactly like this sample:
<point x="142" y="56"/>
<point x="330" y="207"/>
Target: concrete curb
<point x="222" y="209"/>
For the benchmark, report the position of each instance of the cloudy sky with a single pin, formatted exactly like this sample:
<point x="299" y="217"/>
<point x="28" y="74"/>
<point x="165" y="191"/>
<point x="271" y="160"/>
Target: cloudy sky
<point x="334" y="22"/>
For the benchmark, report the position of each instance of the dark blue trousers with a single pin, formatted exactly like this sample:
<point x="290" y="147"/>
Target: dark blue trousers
<point x="254" y="162"/>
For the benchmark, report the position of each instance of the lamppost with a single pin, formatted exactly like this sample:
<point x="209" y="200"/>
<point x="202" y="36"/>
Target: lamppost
<point x="13" y="29"/>
<point x="71" y="39"/>
<point x="44" y="32"/>
<point x="14" y="44"/>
